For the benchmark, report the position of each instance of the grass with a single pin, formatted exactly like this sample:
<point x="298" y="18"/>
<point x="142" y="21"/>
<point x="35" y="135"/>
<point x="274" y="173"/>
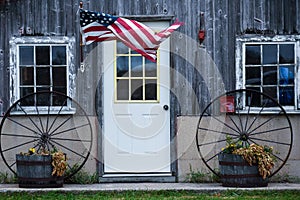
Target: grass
<point x="149" y="195"/>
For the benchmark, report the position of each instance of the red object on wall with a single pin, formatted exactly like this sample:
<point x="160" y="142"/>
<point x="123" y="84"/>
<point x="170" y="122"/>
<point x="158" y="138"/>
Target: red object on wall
<point x="201" y="36"/>
<point x="227" y="104"/>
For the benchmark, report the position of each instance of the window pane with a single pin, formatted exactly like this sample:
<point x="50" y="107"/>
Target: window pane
<point x="286" y="53"/>
<point x="136" y="66"/>
<point x="134" y="52"/>
<point x="43" y="76"/>
<point x="286" y="75"/>
<point x="150" y="68"/>
<point x="26" y="76"/>
<point x="60" y="89"/>
<point x="136" y="89"/>
<point x="59" y="76"/>
<point x="252" y="98"/>
<point x="39" y="89"/>
<point x="122" y="66"/>
<point x="26" y="55"/>
<point x="43" y="99"/>
<point x="270" y="54"/>
<point x="59" y="100"/>
<point x="59" y="55"/>
<point x="272" y="92"/>
<point x="252" y="54"/>
<point x="27" y="101"/>
<point x="253" y="76"/>
<point x="43" y="55"/>
<point x="151" y="90"/>
<point x="123" y="90"/>
<point x="270" y="75"/>
<point x="122" y="48"/>
<point x="286" y="96"/>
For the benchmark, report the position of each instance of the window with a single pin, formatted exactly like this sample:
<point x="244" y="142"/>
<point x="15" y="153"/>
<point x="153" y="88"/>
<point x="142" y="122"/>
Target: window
<point x="136" y="78"/>
<point x="42" y="67"/>
<point x="269" y="65"/>
<point x="41" y="64"/>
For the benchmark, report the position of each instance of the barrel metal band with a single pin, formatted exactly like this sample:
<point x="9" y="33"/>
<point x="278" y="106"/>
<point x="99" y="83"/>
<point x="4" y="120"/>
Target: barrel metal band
<point x="226" y="163"/>
<point x="239" y="175"/>
<point x="32" y="163"/>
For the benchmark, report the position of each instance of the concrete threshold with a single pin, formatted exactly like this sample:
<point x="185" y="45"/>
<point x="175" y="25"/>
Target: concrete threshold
<point x="110" y="187"/>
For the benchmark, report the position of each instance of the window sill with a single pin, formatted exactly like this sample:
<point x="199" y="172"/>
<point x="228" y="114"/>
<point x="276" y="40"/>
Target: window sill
<point x="266" y="112"/>
<point x="54" y="111"/>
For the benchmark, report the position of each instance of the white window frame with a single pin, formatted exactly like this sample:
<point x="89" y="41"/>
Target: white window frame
<point x="15" y="42"/>
<point x="255" y="39"/>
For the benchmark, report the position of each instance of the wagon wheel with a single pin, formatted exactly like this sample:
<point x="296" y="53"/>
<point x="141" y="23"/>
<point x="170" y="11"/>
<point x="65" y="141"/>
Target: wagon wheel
<point x="50" y="121"/>
<point x="248" y="116"/>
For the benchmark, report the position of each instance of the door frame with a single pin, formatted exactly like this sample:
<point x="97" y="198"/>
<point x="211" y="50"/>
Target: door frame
<point x="100" y="114"/>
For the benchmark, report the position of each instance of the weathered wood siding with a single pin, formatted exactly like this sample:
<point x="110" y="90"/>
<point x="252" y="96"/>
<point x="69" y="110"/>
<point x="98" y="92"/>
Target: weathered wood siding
<point x="197" y="72"/>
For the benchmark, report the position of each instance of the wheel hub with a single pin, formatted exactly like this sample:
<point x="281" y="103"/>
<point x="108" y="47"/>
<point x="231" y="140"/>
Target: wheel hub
<point x="244" y="137"/>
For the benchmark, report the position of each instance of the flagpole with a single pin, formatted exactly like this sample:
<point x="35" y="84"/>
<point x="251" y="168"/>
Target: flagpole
<point x="81" y="49"/>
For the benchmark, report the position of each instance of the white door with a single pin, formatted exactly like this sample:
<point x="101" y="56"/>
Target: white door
<point x="136" y="131"/>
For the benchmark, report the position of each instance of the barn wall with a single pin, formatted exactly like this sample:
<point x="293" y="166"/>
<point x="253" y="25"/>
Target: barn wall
<point x="196" y="69"/>
<point x="202" y="73"/>
<point x="198" y="72"/>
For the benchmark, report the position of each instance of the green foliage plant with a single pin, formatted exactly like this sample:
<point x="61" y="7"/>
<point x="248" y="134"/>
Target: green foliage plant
<point x="253" y="153"/>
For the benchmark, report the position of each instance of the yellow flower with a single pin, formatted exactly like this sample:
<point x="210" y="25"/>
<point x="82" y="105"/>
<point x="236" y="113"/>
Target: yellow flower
<point x="32" y="150"/>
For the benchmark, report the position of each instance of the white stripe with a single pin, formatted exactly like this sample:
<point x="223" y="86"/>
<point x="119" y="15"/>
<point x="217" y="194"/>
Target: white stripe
<point x="126" y="33"/>
<point x="137" y="31"/>
<point x="140" y="32"/>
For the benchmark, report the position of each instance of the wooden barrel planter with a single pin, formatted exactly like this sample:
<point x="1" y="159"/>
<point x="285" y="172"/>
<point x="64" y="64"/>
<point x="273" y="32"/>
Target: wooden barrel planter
<point x="236" y="172"/>
<point x="34" y="171"/>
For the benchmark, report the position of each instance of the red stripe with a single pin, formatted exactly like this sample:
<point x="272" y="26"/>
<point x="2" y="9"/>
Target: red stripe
<point x="95" y="29"/>
<point x="127" y="42"/>
<point x="132" y="32"/>
<point x="146" y="33"/>
<point x="99" y="39"/>
<point x="169" y="30"/>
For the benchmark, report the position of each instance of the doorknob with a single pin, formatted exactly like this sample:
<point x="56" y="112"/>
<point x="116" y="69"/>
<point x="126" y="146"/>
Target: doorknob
<point x="166" y="107"/>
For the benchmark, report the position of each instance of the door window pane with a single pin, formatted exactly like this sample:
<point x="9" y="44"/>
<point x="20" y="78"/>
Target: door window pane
<point x="136" y="89"/>
<point x="122" y="89"/>
<point x="150" y="69"/>
<point x="122" y="66"/>
<point x="151" y="90"/>
<point x="136" y="66"/>
<point x="122" y="48"/>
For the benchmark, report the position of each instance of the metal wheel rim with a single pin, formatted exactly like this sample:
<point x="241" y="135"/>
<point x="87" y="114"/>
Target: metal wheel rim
<point x="54" y="129"/>
<point x="208" y="161"/>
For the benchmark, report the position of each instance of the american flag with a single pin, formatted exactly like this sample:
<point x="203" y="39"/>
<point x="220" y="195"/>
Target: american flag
<point x="98" y="27"/>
